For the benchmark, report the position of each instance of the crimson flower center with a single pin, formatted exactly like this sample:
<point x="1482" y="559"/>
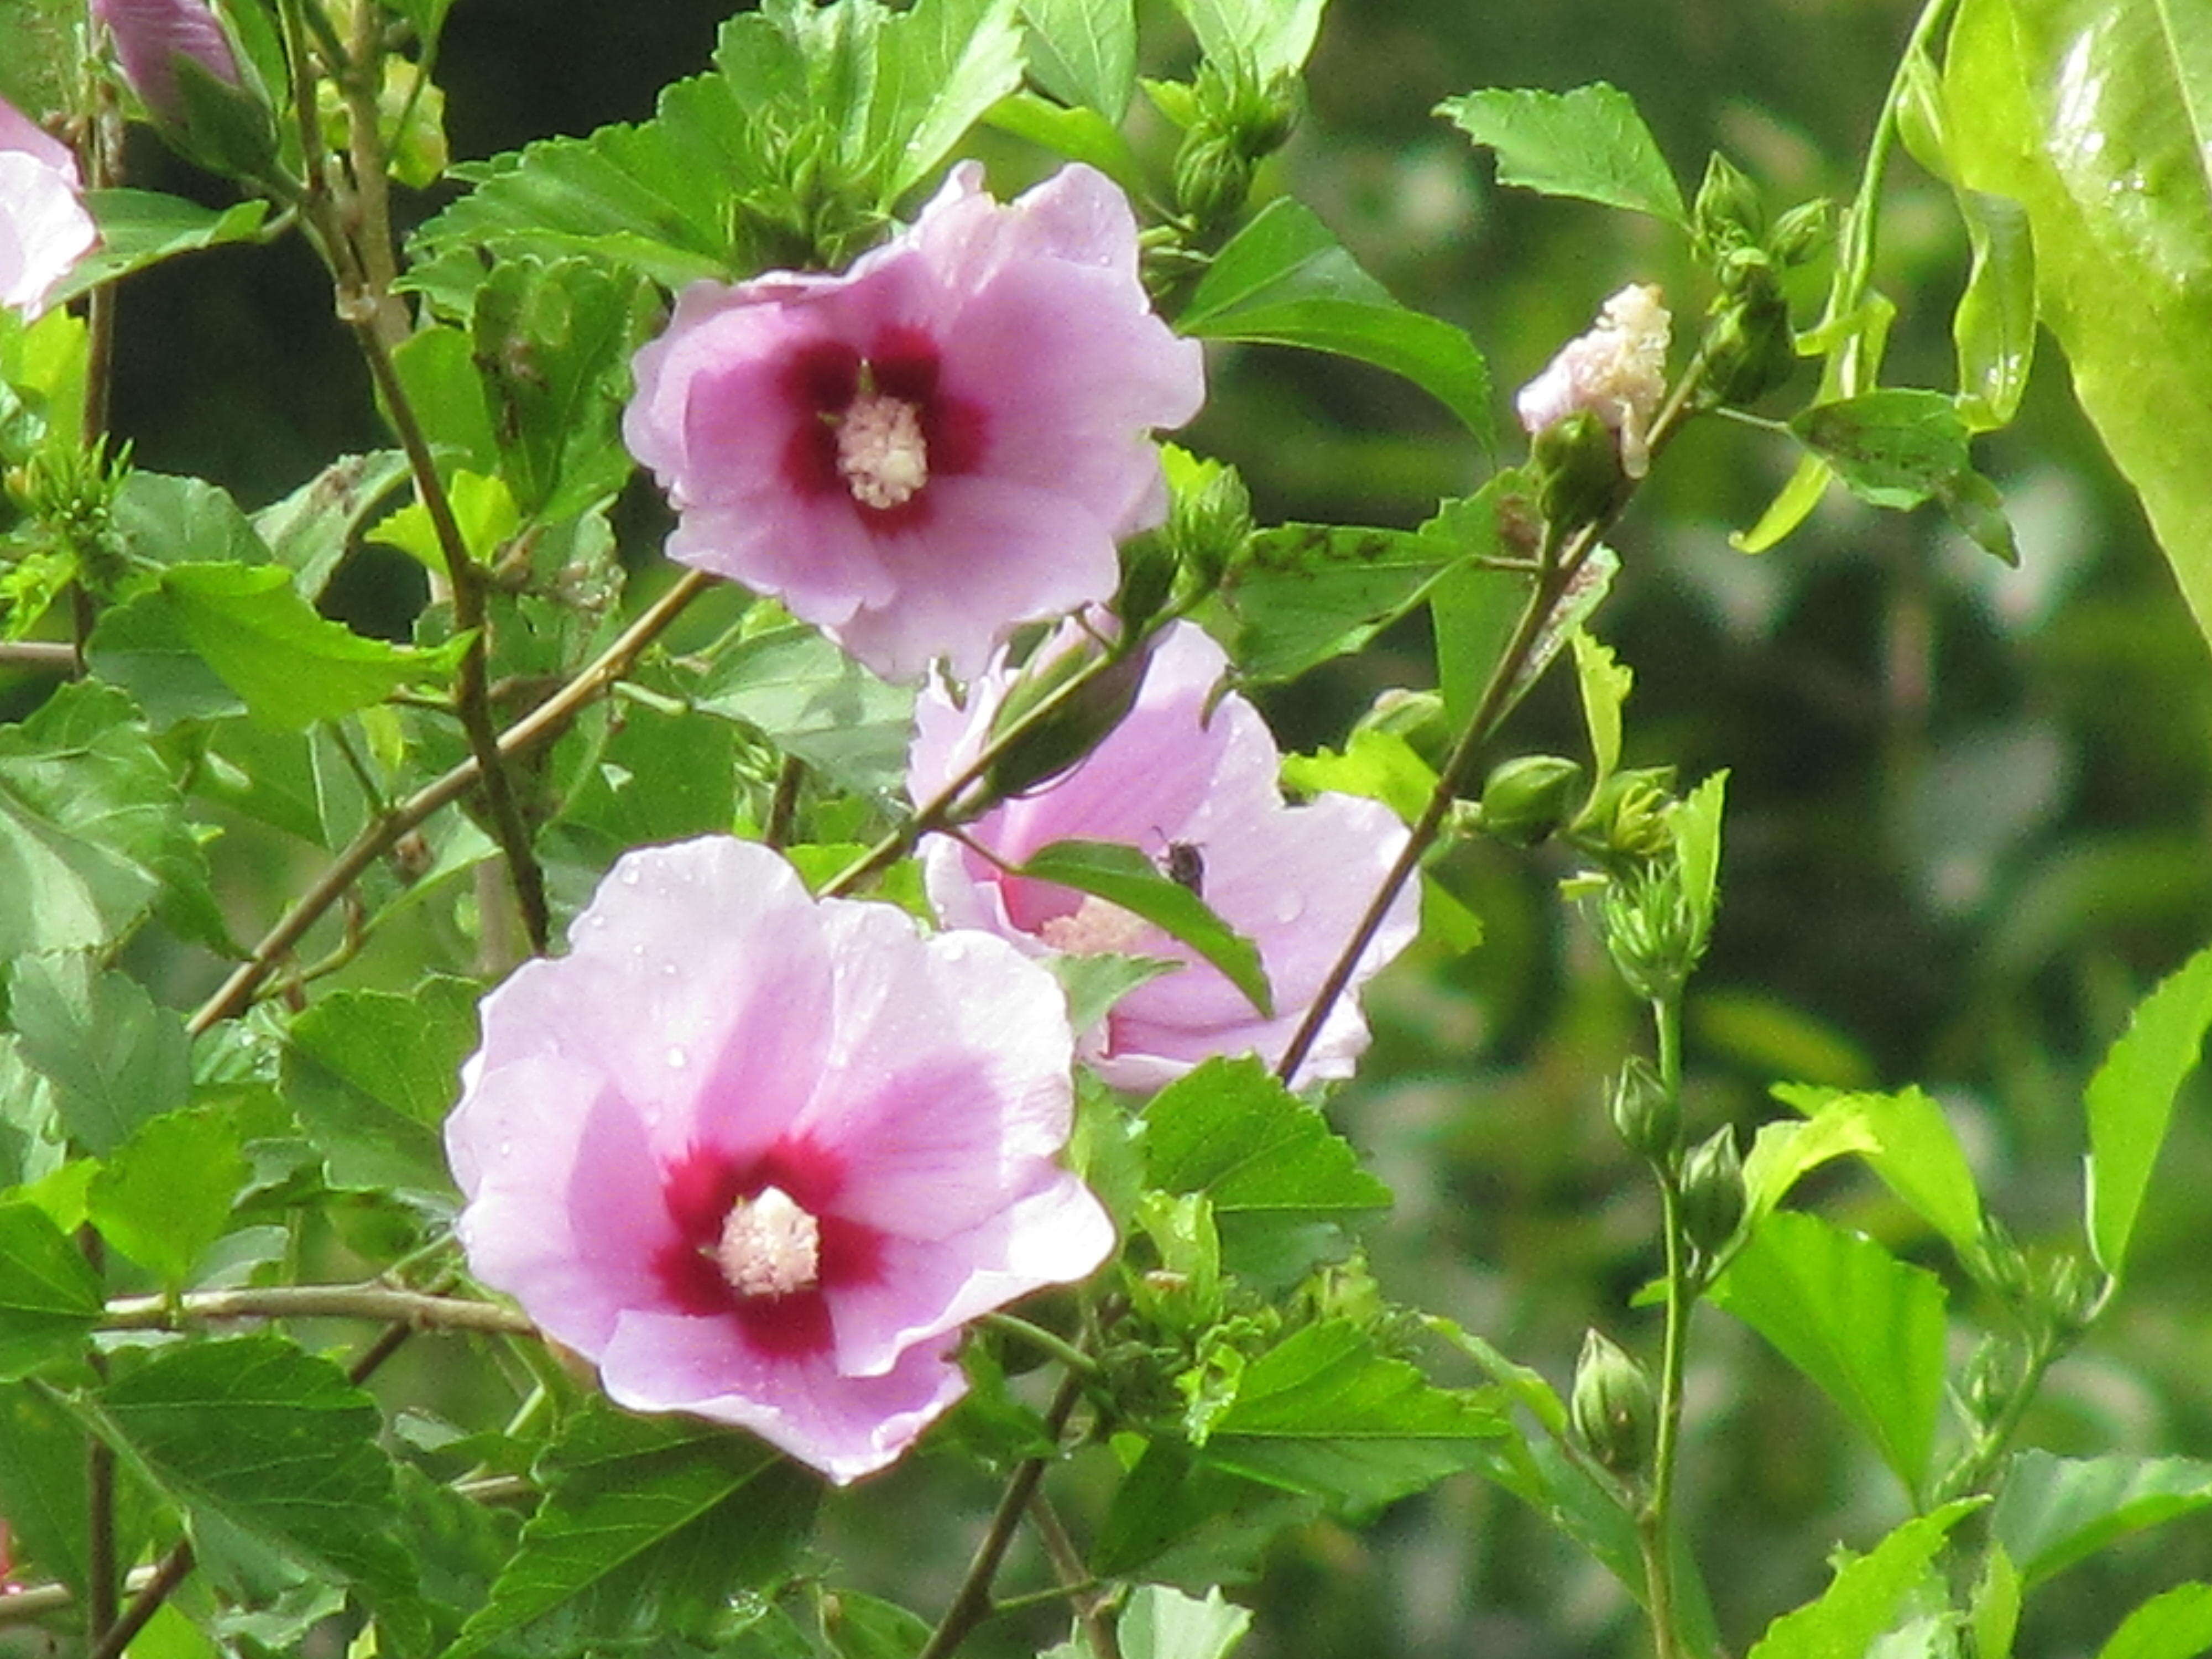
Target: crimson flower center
<point x="769" y="1245"/>
<point x="881" y="453"/>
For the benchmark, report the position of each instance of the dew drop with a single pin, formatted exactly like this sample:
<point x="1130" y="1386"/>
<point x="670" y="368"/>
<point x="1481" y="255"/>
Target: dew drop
<point x="1290" y="907"/>
<point x="507" y="1149"/>
<point x="668" y="971"/>
<point x="629" y="873"/>
<point x="678" y="1058"/>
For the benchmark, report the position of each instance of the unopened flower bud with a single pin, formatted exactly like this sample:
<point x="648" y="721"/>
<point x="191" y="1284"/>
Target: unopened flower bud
<point x="1617" y="371"/>
<point x="1801" y="233"/>
<point x="1148" y="572"/>
<point x="1526" y="799"/>
<point x="1212" y="179"/>
<point x="1611" y="1407"/>
<point x="154" y="38"/>
<point x="1713" y="1192"/>
<point x="1577" y="462"/>
<point x="1986" y="1385"/>
<point x="2068" y="1293"/>
<point x="1417" y="716"/>
<point x="1209" y="518"/>
<point x="1749" y="350"/>
<point x="1075" y="726"/>
<point x="1649" y="931"/>
<point x="1625" y="821"/>
<point x="1644" y="1110"/>
<point x="1728" y="212"/>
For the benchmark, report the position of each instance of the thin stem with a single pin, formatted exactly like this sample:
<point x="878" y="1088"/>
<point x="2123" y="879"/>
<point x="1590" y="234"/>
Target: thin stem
<point x="540" y="725"/>
<point x="971" y="1603"/>
<point x="361" y="82"/>
<point x="1037" y="1337"/>
<point x="172" y="1571"/>
<point x="1093" y="1608"/>
<point x="416" y="1310"/>
<point x="43" y="656"/>
<point x="1656" y="1522"/>
<point x="20" y="1606"/>
<point x="100" y="1588"/>
<point x="1558" y="567"/>
<point x="783" y="808"/>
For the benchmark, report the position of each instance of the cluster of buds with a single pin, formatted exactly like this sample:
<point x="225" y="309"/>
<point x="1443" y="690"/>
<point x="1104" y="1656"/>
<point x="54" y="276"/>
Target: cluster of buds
<point x="1239" y="119"/>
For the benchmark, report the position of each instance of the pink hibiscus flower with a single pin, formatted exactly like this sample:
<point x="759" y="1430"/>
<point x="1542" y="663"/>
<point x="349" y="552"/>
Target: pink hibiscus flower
<point x="151" y="35"/>
<point x="760" y="1158"/>
<point x="44" y="228"/>
<point x="1616" y="370"/>
<point x="1197" y="791"/>
<point x="943" y="441"/>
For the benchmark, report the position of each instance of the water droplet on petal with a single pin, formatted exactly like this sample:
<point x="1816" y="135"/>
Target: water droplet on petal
<point x="507" y="1149"/>
<point x="678" y="1058"/>
<point x="668" y="971"/>
<point x="629" y="873"/>
<point x="1290" y="907"/>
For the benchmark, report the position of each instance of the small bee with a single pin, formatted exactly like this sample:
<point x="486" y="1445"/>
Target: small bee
<point x="1184" y="864"/>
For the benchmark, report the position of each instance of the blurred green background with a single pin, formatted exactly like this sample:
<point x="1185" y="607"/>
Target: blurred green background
<point x="1968" y="813"/>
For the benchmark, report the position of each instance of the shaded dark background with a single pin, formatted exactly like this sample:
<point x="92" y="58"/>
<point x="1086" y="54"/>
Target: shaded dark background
<point x="1967" y="807"/>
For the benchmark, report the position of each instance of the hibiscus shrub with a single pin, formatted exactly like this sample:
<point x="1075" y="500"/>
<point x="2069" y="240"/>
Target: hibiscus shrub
<point x="890" y="988"/>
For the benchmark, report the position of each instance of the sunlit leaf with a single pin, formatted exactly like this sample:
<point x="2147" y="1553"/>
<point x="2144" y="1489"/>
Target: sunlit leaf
<point x="165" y="1196"/>
<point x="142" y="228"/>
<point x="2175" y="1624"/>
<point x="49" y="1298"/>
<point x="114" y="1057"/>
<point x="812" y="701"/>
<point x="1910" y="1144"/>
<point x="1273" y="36"/>
<point x="372" y="1074"/>
<point x="1084" y="51"/>
<point x="1229" y="1131"/>
<point x="2054" y="1511"/>
<point x="1124" y="876"/>
<point x="1865" y="1328"/>
<point x="2130" y="1102"/>
<point x="1160" y="1622"/>
<point x="1590" y="142"/>
<point x="1864" y="1598"/>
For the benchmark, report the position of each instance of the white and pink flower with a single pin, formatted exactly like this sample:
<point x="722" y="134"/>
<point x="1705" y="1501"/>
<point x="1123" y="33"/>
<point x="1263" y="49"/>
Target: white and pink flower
<point x="942" y="443"/>
<point x="761" y="1157"/>
<point x="151" y="37"/>
<point x="43" y="226"/>
<point x="1192" y="782"/>
<point x="1617" y="371"/>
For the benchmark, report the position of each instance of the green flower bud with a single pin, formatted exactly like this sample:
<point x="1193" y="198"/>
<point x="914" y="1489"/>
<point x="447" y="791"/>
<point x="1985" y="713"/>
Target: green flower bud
<point x="1750" y="348"/>
<point x="1713" y="1192"/>
<point x="1527" y="798"/>
<point x="1611" y="1408"/>
<point x="2068" y="1291"/>
<point x="1991" y="1374"/>
<point x="1211" y="178"/>
<point x="1209" y="518"/>
<point x="1728" y="212"/>
<point x="1576" y="461"/>
<point x="1647" y="1115"/>
<point x="1148" y="574"/>
<point x="1649" y="931"/>
<point x="1625" y="821"/>
<point x="1416" y="716"/>
<point x="1074" y="728"/>
<point x="1802" y="233"/>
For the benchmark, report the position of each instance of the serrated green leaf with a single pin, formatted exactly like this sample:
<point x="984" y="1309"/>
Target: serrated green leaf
<point x="163" y="518"/>
<point x="142" y="228"/>
<point x="2054" y="1511"/>
<point x="1095" y="983"/>
<point x="1299" y="594"/>
<point x="1783" y="1153"/>
<point x="553" y="344"/>
<point x="1284" y="280"/>
<point x="1081" y="134"/>
<point x="2130" y="1102"/>
<point x="50" y="1299"/>
<point x="42" y="1485"/>
<point x="2096" y="117"/>
<point x="811" y="700"/>
<point x="940" y="65"/>
<point x="1474" y="607"/>
<point x="1908" y="1142"/>
<point x="648" y="1528"/>
<point x="2175" y="1624"/>
<point x="1865" y="1328"/>
<point x="1084" y="51"/>
<point x="114" y="1057"/>
<point x="93" y="833"/>
<point x="1893" y="448"/>
<point x="291" y="666"/>
<point x="1124" y="876"/>
<point x="1604" y="685"/>
<point x="1863" y="1599"/>
<point x="1375" y="765"/>
<point x="1274" y="37"/>
<point x="860" y="1626"/>
<point x="1994" y="1616"/>
<point x="372" y="1074"/>
<point x="483" y="511"/>
<point x="311" y="529"/>
<point x="1176" y="1517"/>
<point x="165" y="1196"/>
<point x="1695" y="821"/>
<point x="1324" y="1412"/>
<point x="252" y="1437"/>
<point x="656" y="777"/>
<point x="1228" y="1130"/>
<point x="1160" y="1622"/>
<point x="1588" y="143"/>
<point x="142" y="647"/>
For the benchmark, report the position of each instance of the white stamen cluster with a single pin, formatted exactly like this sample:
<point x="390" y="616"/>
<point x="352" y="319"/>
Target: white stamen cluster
<point x="881" y="453"/>
<point x="1617" y="371"/>
<point x="1097" y="927"/>
<point x="769" y="1246"/>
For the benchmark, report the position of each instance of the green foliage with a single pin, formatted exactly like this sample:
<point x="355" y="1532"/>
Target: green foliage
<point x="49" y="1298"/>
<point x="1160" y="1622"/>
<point x="1084" y="52"/>
<point x="2054" y="1511"/>
<point x="2122" y="225"/>
<point x="1590" y="142"/>
<point x="1284" y="280"/>
<point x="650" y="1526"/>
<point x="2130" y="1102"/>
<point x="115" y="1059"/>
<point x="1906" y="1140"/>
<point x="1273" y="36"/>
<point x="1865" y="1597"/>
<point x="165" y="1196"/>
<point x="1124" y="876"/>
<point x="2176" y="1624"/>
<point x="273" y="1455"/>
<point x="373" y="1075"/>
<point x="1865" y="1328"/>
<point x="814" y="702"/>
<point x="140" y="227"/>
<point x="1229" y="1131"/>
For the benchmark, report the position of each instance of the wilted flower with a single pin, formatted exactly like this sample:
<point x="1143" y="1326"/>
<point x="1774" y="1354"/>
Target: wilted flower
<point x="44" y="228"/>
<point x="761" y="1157"/>
<point x="945" y="440"/>
<point x="151" y="35"/>
<point x="1617" y="371"/>
<point x="1197" y="791"/>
